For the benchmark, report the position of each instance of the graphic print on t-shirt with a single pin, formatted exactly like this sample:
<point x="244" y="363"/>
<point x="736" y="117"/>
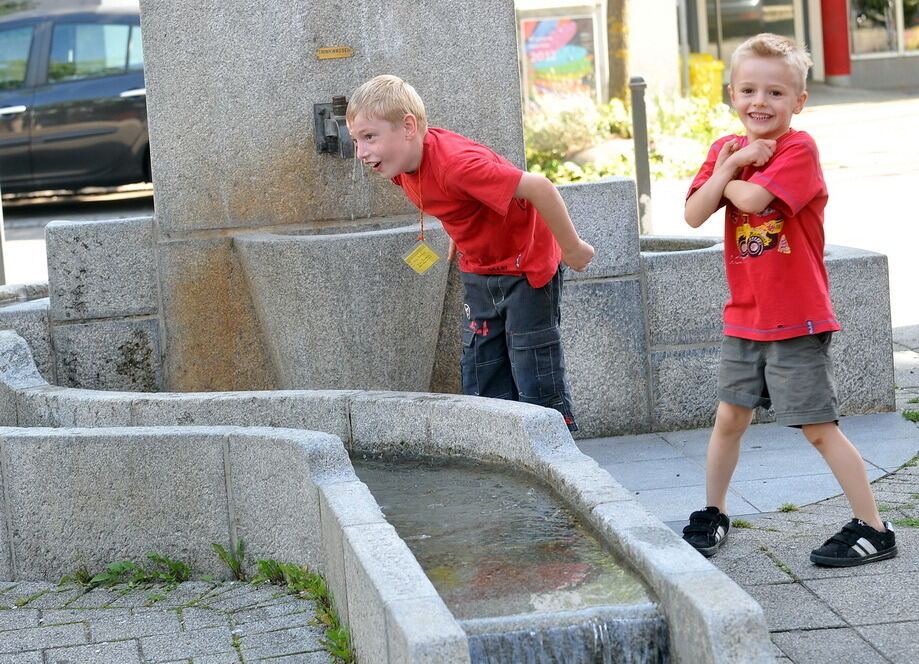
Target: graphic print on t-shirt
<point x="756" y="233"/>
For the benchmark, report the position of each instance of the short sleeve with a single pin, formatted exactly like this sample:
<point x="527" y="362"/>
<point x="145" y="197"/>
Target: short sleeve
<point x="488" y="181"/>
<point x="793" y="176"/>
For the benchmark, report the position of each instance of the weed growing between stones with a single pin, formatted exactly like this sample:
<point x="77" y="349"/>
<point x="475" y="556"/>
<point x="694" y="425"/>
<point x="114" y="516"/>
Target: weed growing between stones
<point x="741" y="523"/>
<point x="233" y="558"/>
<point x="911" y="415"/>
<point x="788" y="507"/>
<point x="163" y="570"/>
<point x="908" y="523"/>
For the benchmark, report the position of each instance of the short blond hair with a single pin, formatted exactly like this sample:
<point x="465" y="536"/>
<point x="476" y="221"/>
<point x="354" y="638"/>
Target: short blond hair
<point x="388" y="98"/>
<point x="768" y="45"/>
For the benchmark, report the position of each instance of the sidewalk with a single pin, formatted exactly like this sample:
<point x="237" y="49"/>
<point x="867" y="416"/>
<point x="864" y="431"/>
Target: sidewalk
<point x="197" y="622"/>
<point x="815" y="614"/>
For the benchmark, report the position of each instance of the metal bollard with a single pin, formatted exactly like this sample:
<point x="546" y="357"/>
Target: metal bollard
<point x="640" y="140"/>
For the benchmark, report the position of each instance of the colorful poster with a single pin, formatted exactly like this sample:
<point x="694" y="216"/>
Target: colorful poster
<point x="559" y="56"/>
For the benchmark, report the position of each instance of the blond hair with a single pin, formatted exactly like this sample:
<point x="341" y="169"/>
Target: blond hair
<point x="388" y="98"/>
<point x="768" y="45"/>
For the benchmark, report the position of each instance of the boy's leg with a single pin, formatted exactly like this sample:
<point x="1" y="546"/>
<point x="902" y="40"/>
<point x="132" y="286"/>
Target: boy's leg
<point x="534" y="342"/>
<point x="731" y="422"/>
<point x="848" y="469"/>
<point x="486" y="367"/>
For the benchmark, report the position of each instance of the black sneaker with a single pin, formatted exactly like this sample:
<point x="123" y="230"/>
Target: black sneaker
<point x="707" y="530"/>
<point x="856" y="544"/>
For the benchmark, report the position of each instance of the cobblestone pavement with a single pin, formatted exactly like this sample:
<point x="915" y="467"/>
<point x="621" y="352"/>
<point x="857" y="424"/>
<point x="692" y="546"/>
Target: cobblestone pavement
<point x="194" y="623"/>
<point x="867" y="614"/>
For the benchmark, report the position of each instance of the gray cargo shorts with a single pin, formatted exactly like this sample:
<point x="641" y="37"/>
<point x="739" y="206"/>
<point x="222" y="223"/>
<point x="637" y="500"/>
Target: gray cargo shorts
<point x="793" y="376"/>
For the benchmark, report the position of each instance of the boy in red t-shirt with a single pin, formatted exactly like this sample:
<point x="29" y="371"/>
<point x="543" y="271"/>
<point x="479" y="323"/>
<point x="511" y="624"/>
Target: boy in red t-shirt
<point x="510" y="229"/>
<point x="778" y="320"/>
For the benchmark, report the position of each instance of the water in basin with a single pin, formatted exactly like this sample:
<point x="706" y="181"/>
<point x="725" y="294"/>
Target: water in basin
<point x="494" y="542"/>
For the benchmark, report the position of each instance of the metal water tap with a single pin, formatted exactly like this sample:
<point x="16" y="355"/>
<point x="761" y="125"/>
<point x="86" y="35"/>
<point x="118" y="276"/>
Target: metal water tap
<point x="332" y="133"/>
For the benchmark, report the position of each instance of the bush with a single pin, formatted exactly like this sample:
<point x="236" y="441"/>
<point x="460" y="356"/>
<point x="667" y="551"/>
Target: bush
<point x="680" y="131"/>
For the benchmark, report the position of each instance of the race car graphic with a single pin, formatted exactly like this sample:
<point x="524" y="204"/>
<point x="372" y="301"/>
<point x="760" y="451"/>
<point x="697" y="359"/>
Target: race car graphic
<point x="754" y="240"/>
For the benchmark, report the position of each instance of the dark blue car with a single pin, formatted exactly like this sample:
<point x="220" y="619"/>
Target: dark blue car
<point x="72" y="100"/>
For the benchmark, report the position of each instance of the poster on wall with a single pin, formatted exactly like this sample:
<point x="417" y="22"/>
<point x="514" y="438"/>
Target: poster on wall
<point x="559" y="56"/>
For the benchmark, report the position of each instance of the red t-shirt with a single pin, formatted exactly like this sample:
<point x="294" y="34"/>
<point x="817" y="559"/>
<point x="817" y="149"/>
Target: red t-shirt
<point x="470" y="189"/>
<point x="774" y="259"/>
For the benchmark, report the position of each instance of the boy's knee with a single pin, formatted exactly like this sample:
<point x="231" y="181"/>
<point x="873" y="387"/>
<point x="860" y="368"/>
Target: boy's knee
<point x="734" y="418"/>
<point x="819" y="435"/>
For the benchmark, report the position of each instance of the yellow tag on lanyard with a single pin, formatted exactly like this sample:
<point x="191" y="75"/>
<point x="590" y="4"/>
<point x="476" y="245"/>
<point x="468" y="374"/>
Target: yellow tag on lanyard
<point x="421" y="258"/>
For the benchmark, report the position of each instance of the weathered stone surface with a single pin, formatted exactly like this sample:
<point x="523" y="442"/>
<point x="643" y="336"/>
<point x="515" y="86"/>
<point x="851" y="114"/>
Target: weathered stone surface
<point x="424" y="630"/>
<point x="211" y="329"/>
<point x="273" y="478"/>
<point x="52" y="406"/>
<point x="605" y="215"/>
<point x="684" y="384"/>
<point x="343" y="311"/>
<point x="109" y="355"/>
<point x="101" y="269"/>
<point x="446" y="375"/>
<point x="603" y="335"/>
<point x="30" y="321"/>
<point x="261" y="167"/>
<point x="17" y="372"/>
<point x="113" y="494"/>
<point x="686" y="290"/>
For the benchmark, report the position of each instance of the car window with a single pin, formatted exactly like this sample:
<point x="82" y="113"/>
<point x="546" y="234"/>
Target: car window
<point x="87" y="50"/>
<point x="14" y="54"/>
<point x="135" y="50"/>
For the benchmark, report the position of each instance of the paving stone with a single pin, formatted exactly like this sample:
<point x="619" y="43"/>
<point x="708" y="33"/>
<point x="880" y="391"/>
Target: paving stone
<point x="167" y="647"/>
<point x="113" y="628"/>
<point x="897" y="641"/>
<point x="33" y="638"/>
<point x="300" y="619"/>
<point x="24" y="591"/>
<point x="124" y="652"/>
<point x="18" y="618"/>
<point x="55" y="598"/>
<point x="186" y="593"/>
<point x="194" y="618"/>
<point x="790" y="606"/>
<point x="282" y="606"/>
<point x="867" y="600"/>
<point x="96" y="598"/>
<point x="228" y="658"/>
<point x="63" y="616"/>
<point x="281" y="642"/>
<point x="241" y="598"/>
<point x="302" y="658"/>
<point x="826" y="646"/>
<point x="34" y="657"/>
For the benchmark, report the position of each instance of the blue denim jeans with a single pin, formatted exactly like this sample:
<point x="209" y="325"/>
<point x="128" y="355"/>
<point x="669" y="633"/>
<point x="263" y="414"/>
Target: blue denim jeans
<point x="512" y="346"/>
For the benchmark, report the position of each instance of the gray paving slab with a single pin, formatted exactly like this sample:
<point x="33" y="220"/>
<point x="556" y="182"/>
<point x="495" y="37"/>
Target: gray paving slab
<point x="790" y="606"/>
<point x="18" y="618"/>
<point x="34" y="657"/>
<point x="112" y="628"/>
<point x="869" y="600"/>
<point x="36" y="638"/>
<point x="768" y="495"/>
<point x="123" y="652"/>
<point x="199" y="642"/>
<point x="827" y="646"/>
<point x="294" y="641"/>
<point x="675" y="504"/>
<point x="897" y="641"/>
<point x="658" y="473"/>
<point x="634" y="448"/>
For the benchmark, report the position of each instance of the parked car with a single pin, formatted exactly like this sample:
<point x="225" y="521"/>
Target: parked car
<point x="72" y="99"/>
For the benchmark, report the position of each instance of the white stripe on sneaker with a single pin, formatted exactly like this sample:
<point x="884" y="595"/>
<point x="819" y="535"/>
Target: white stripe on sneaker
<point x="866" y="546"/>
<point x="719" y="534"/>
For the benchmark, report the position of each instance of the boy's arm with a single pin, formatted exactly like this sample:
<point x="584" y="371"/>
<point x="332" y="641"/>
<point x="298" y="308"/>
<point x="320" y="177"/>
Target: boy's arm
<point x="707" y="198"/>
<point x="535" y="188"/>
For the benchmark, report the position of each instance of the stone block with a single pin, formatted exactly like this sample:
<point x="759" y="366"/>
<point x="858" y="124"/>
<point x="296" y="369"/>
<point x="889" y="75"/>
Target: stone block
<point x="392" y="421"/>
<point x="52" y="406"/>
<point x="446" y="375"/>
<point x="261" y="167"/>
<point x="109" y="355"/>
<point x="101" y="269"/>
<point x="605" y="214"/>
<point x="273" y="476"/>
<point x="379" y="570"/>
<point x="113" y="494"/>
<point x="325" y="410"/>
<point x="685" y="387"/>
<point x="30" y="321"/>
<point x="343" y="504"/>
<point x="424" y="630"/>
<point x="583" y="484"/>
<point x="863" y="350"/>
<point x="211" y="329"/>
<point x="17" y="372"/>
<point x="686" y="290"/>
<point x="603" y="335"/>
<point x="312" y="290"/>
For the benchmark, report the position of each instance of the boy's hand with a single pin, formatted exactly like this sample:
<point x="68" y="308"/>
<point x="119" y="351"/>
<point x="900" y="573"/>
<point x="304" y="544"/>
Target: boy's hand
<point x="755" y="154"/>
<point x="579" y="257"/>
<point x="727" y="150"/>
<point x="451" y="252"/>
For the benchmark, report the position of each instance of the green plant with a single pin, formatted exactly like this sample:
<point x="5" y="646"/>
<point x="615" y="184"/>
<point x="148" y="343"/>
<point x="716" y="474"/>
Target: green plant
<point x="305" y="584"/>
<point x="234" y="558"/>
<point x="911" y="415"/>
<point x="80" y="576"/>
<point x="913" y="400"/>
<point x="163" y="570"/>
<point x="788" y="507"/>
<point x="908" y="523"/>
<point x="741" y="523"/>
<point x="912" y="462"/>
<point x="890" y="508"/>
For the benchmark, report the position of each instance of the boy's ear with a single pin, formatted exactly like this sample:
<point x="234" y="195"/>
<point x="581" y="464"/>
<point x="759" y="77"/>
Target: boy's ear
<point x="410" y="126"/>
<point x="799" y="104"/>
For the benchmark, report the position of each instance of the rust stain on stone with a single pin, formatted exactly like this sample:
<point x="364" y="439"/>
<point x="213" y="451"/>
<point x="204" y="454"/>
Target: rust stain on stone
<point x="213" y="337"/>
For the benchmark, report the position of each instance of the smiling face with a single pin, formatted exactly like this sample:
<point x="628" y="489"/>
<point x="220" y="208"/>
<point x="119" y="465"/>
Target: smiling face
<point x="387" y="148"/>
<point x="766" y="92"/>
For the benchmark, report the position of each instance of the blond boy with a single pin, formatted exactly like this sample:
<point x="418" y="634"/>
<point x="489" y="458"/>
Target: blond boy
<point x="778" y="321"/>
